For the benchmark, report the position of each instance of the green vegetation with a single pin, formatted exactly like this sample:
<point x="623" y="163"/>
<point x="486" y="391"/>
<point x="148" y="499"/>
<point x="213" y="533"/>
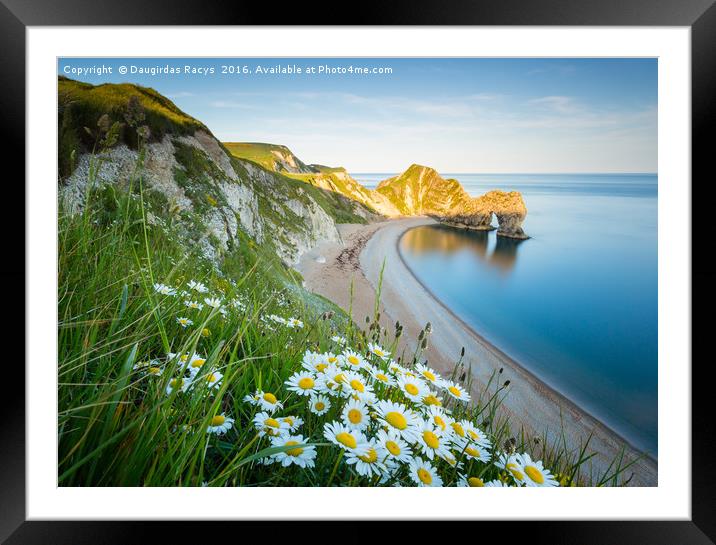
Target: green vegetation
<point x="270" y="156"/>
<point x="81" y="107"/>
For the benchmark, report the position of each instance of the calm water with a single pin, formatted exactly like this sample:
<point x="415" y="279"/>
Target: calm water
<point x="576" y="303"/>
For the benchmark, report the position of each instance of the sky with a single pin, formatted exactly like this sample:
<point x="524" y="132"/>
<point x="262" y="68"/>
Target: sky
<point x="456" y="115"/>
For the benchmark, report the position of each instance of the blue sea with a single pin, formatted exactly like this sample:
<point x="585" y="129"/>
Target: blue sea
<point x="577" y="303"/>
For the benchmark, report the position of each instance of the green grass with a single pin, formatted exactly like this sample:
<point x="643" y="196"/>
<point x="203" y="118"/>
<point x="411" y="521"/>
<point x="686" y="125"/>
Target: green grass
<point x="118" y="427"/>
<point x="81" y="105"/>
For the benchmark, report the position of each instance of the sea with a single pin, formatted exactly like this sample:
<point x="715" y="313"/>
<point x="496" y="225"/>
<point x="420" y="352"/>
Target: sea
<point x="576" y="304"/>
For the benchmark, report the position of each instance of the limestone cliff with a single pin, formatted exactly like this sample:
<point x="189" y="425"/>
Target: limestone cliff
<point x="421" y="190"/>
<point x="215" y="200"/>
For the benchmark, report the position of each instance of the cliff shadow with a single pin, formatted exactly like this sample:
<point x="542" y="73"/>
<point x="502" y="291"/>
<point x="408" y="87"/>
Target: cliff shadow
<point x="504" y="256"/>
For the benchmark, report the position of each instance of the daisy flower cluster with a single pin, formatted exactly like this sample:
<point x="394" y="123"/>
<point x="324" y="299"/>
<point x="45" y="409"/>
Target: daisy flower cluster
<point x="391" y="425"/>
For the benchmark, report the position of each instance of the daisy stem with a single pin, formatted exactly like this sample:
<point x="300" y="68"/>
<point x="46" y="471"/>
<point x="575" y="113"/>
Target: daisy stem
<point x="335" y="468"/>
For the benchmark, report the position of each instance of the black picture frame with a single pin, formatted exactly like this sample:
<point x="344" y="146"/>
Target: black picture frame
<point x="699" y="15"/>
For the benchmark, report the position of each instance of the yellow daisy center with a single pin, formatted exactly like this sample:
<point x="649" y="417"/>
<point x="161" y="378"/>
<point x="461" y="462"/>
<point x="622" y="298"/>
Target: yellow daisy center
<point x="425" y="476"/>
<point x="353" y="360"/>
<point x="396" y="420"/>
<point x="393" y="447"/>
<point x="381" y="377"/>
<point x="371" y="457"/>
<point x="153" y="370"/>
<point x="184" y="358"/>
<point x="340" y="377"/>
<point x="288" y="420"/>
<point x="475" y="436"/>
<point x="378" y="352"/>
<point x="176" y="383"/>
<point x="475" y="481"/>
<point x="458" y="429"/>
<point x="534" y="474"/>
<point x="439" y="421"/>
<point x="454" y="391"/>
<point x="270" y="398"/>
<point x="431" y="439"/>
<point x="332" y="359"/>
<point x="205" y="332"/>
<point x="346" y="439"/>
<point x="412" y="389"/>
<point x="198" y="362"/>
<point x="512" y="468"/>
<point x="218" y="420"/>
<point x="271" y="422"/>
<point x="211" y="377"/>
<point x="357" y="385"/>
<point x="320" y="367"/>
<point x="428" y="375"/>
<point x="355" y="416"/>
<point x="293" y="451"/>
<point x="473" y="452"/>
<point x="431" y="400"/>
<point x="320" y="406"/>
<point x="306" y="383"/>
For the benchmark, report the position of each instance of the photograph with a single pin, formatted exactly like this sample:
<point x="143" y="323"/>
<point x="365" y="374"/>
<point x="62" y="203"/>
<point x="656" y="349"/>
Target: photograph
<point x="357" y="271"/>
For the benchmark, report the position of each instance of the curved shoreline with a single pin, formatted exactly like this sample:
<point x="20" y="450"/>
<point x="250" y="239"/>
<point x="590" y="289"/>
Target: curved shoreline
<point x="564" y="398"/>
<point x="531" y="402"/>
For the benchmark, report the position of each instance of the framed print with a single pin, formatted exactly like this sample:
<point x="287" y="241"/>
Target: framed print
<point x="348" y="272"/>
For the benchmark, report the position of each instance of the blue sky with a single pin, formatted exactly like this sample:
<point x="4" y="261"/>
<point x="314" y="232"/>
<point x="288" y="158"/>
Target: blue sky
<point x="456" y="115"/>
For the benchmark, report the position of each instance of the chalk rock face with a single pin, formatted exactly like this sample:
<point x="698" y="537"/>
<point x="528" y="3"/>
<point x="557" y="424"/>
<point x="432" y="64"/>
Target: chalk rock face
<point x="421" y="190"/>
<point x="510" y="211"/>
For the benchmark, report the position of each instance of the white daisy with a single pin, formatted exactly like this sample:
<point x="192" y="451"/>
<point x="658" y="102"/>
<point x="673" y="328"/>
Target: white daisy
<point x="197" y="286"/>
<point x="438" y="417"/>
<point x="302" y="456"/>
<point x="356" y="385"/>
<point x="513" y="465"/>
<point x="456" y="391"/>
<point x="316" y="362"/>
<point x="535" y="473"/>
<point x="213" y="302"/>
<point x="379" y="351"/>
<point x="212" y="379"/>
<point x="430" y="375"/>
<point x="355" y="415"/>
<point x="397" y="417"/>
<point x="319" y="404"/>
<point x="178" y="384"/>
<point x="184" y="322"/>
<point x="339" y="340"/>
<point x="268" y="402"/>
<point x="368" y="464"/>
<point x="473" y="451"/>
<point x="194" y="305"/>
<point x="303" y="383"/>
<point x="433" y="442"/>
<point x="267" y="425"/>
<point x="395" y="448"/>
<point x="381" y="377"/>
<point x="413" y="388"/>
<point x="294" y="422"/>
<point x="163" y="289"/>
<point x="498" y="483"/>
<point x="475" y="434"/>
<point x="423" y="473"/>
<point x="294" y="323"/>
<point x="470" y="481"/>
<point x="331" y="381"/>
<point x="152" y="367"/>
<point x="352" y="360"/>
<point x="346" y="438"/>
<point x="220" y="424"/>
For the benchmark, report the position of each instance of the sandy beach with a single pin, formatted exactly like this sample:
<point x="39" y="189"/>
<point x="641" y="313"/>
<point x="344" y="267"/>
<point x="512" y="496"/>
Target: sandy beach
<point x="530" y="402"/>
